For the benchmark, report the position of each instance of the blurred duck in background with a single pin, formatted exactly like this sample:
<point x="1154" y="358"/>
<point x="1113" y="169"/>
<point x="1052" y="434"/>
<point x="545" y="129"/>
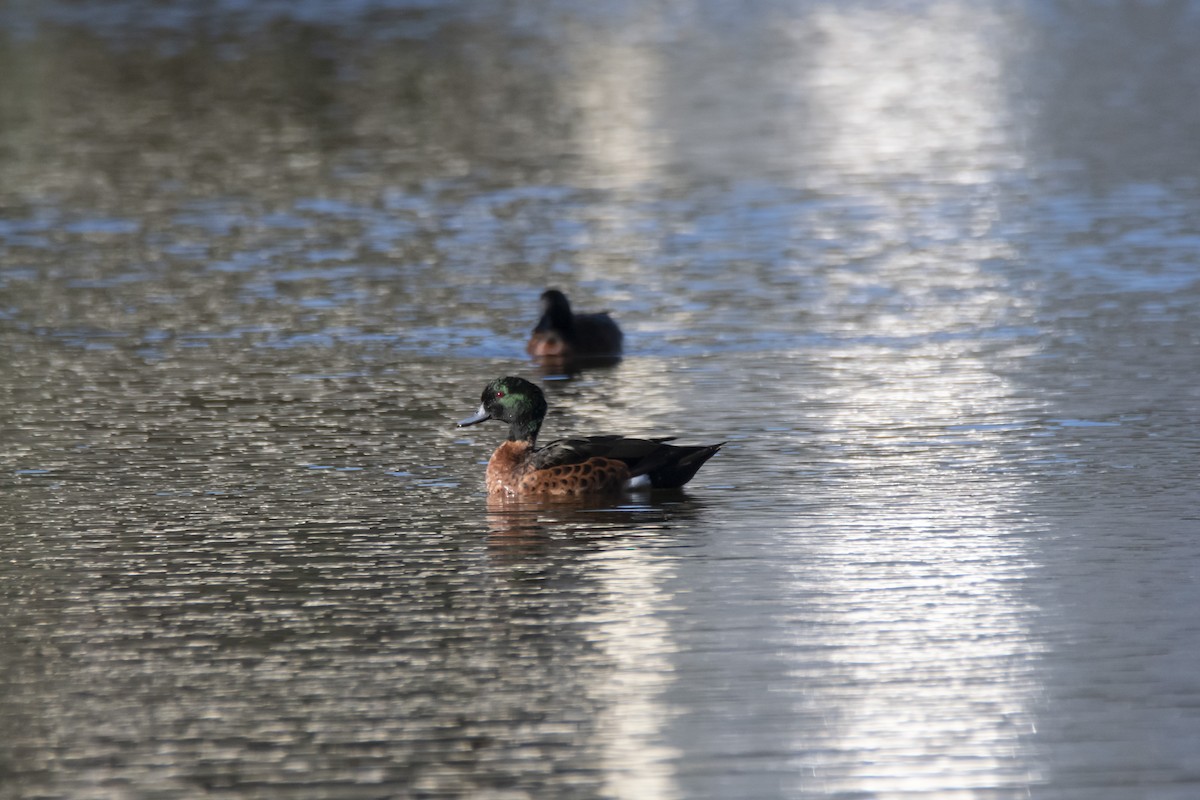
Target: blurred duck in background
<point x="563" y="334"/>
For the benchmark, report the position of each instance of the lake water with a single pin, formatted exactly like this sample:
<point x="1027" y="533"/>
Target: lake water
<point x="931" y="268"/>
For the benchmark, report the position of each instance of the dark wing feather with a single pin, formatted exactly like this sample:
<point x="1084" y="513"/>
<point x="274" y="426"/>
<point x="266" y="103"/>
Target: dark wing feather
<point x="668" y="466"/>
<point x="576" y="450"/>
<point x="596" y="333"/>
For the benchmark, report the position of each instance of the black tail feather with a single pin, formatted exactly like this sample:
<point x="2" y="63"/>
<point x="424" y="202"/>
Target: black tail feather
<point x="680" y="464"/>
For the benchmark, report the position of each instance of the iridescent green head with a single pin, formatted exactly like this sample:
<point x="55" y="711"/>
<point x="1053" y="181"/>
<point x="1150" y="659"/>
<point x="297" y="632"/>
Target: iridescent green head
<point x="515" y="401"/>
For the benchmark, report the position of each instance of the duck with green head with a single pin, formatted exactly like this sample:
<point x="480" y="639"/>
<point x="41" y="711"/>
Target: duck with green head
<point x="576" y="466"/>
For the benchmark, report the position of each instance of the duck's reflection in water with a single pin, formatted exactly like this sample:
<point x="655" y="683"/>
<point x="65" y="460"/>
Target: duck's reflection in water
<point x="580" y="520"/>
<point x="611" y="552"/>
<point x="570" y="367"/>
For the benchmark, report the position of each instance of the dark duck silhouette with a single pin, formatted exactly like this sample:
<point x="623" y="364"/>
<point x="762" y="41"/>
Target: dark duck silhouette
<point x="562" y="334"/>
<point x="577" y="466"/>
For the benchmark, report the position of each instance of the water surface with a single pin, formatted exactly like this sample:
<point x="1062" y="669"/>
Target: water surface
<point x="930" y="268"/>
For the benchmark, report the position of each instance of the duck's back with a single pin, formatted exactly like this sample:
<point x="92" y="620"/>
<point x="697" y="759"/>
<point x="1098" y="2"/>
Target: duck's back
<point x="597" y="335"/>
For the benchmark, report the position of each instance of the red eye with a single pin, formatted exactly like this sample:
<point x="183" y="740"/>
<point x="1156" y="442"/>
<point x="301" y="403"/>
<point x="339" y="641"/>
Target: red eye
<point x="499" y="394"/>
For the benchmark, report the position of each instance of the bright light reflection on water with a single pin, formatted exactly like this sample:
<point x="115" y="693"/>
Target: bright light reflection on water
<point x="927" y="628"/>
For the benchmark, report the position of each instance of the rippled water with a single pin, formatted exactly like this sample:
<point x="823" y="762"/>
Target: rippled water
<point x="930" y="268"/>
